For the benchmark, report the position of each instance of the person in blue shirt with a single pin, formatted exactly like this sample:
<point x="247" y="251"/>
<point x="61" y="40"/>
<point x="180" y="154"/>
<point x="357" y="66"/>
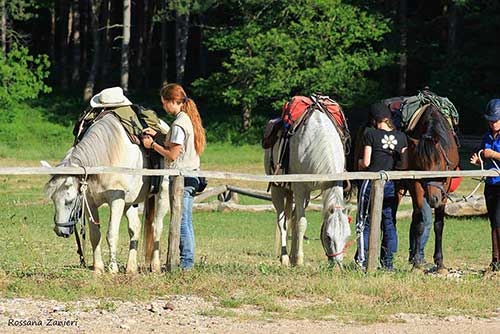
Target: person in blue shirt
<point x="490" y="154"/>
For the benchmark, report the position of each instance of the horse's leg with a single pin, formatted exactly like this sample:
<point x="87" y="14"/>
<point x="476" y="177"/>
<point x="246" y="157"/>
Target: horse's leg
<point x="134" y="228"/>
<point x="438" y="232"/>
<point x="116" y="208"/>
<point x="278" y="198"/>
<point x="417" y="226"/>
<point x="299" y="228"/>
<point x="95" y="240"/>
<point x="162" y="206"/>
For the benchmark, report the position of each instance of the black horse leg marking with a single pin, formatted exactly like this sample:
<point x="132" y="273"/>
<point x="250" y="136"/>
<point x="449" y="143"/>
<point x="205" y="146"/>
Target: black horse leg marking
<point x="438" y="232"/>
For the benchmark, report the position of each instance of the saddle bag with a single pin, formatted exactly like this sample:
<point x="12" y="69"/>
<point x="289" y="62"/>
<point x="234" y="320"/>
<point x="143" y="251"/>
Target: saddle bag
<point x="271" y="132"/>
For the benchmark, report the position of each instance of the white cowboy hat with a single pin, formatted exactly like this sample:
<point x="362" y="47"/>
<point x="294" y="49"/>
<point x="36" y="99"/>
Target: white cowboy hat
<point x="110" y="97"/>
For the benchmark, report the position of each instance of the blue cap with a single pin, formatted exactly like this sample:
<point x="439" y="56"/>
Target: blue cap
<point x="492" y="112"/>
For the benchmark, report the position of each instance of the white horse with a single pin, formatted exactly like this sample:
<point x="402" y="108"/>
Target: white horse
<point x="106" y="144"/>
<point x="315" y="148"/>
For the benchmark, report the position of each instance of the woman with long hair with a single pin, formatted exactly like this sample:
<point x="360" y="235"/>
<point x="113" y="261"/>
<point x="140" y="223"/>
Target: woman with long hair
<point x="182" y="149"/>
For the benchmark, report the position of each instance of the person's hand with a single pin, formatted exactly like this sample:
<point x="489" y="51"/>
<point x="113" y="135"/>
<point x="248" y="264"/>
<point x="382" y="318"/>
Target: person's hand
<point x="147" y="141"/>
<point x="149" y="132"/>
<point x="474" y="159"/>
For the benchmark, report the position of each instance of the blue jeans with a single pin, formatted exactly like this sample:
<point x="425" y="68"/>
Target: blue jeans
<point x="427" y="220"/>
<point x="186" y="245"/>
<point x="388" y="224"/>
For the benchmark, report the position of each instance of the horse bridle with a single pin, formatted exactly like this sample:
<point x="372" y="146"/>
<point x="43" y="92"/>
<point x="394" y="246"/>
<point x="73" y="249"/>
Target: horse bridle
<point x="77" y="216"/>
<point x="440" y="185"/>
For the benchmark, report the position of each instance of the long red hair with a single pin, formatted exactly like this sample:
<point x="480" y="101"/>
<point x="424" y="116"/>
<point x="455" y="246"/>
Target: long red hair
<point x="175" y="92"/>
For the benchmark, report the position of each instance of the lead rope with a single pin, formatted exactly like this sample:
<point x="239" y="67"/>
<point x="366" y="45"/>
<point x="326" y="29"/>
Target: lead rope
<point x="81" y="218"/>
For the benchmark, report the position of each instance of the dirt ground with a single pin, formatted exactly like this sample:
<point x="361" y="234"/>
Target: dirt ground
<point x="182" y="314"/>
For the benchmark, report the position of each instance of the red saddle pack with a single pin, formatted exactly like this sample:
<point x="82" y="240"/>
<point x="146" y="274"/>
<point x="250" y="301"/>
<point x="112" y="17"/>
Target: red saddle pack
<point x="295" y="109"/>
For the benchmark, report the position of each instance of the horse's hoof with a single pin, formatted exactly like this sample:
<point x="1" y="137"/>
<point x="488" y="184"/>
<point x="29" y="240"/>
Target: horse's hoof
<point x="285" y="261"/>
<point x="113" y="268"/>
<point x="98" y="271"/>
<point x="155" y="267"/>
<point x="131" y="270"/>
<point x="418" y="269"/>
<point x="442" y="271"/>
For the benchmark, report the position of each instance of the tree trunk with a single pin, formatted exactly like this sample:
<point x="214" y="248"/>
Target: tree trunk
<point x="52" y="39"/>
<point x="149" y="43"/>
<point x="94" y="22"/>
<point x="181" y="39"/>
<point x="62" y="39"/>
<point x="75" y="31"/>
<point x="403" y="52"/>
<point x="247" y="117"/>
<point x="141" y="35"/>
<point x="454" y="22"/>
<point x="203" y="56"/>
<point x="3" y="23"/>
<point x="164" y="53"/>
<point x="84" y="36"/>
<point x="105" y="39"/>
<point x="125" y="45"/>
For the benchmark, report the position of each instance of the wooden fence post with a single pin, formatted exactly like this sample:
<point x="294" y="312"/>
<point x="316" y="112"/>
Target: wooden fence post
<point x="175" y="223"/>
<point x="376" y="201"/>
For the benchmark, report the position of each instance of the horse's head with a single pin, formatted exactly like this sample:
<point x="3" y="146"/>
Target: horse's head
<point x="432" y="147"/>
<point x="64" y="192"/>
<point x="335" y="231"/>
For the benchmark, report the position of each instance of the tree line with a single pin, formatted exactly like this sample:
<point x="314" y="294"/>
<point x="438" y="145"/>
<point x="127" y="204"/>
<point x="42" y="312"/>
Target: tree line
<point x="242" y="59"/>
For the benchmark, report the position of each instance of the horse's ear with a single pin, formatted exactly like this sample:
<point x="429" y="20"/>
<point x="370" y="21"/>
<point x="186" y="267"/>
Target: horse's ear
<point x="44" y="163"/>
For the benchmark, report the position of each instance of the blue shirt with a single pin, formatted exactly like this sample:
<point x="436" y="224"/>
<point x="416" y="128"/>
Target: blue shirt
<point x="494" y="144"/>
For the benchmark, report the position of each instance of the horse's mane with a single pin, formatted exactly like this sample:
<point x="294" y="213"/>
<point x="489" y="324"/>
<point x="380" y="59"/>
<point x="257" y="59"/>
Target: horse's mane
<point x="102" y="145"/>
<point x="436" y="129"/>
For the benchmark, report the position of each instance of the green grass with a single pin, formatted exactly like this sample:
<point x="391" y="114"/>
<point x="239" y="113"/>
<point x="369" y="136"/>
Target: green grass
<point x="236" y="266"/>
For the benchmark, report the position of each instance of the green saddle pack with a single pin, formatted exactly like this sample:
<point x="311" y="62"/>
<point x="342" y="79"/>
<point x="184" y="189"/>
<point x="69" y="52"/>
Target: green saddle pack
<point x="134" y="118"/>
<point x="410" y="105"/>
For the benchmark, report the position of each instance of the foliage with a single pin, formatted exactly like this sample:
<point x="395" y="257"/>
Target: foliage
<point x="299" y="47"/>
<point x="21" y="76"/>
<point x="469" y="75"/>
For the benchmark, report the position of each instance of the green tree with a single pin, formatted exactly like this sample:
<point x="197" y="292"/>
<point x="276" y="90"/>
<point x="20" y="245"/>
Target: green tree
<point x="22" y="75"/>
<point x="281" y="48"/>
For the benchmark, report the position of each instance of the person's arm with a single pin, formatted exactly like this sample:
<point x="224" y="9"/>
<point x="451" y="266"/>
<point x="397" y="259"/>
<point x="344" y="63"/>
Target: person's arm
<point x="403" y="162"/>
<point x="365" y="161"/>
<point x="172" y="151"/>
<point x="488" y="153"/>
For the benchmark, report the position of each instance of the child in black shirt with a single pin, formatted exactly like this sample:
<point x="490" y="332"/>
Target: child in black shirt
<point x="384" y="148"/>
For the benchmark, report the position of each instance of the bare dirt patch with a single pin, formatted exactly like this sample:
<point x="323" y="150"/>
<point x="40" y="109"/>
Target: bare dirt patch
<point x="187" y="314"/>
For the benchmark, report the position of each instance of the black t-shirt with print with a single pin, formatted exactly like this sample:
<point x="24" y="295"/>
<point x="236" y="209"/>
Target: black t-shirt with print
<point x="386" y="148"/>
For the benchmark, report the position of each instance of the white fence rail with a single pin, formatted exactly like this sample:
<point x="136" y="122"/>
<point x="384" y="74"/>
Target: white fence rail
<point x="391" y="175"/>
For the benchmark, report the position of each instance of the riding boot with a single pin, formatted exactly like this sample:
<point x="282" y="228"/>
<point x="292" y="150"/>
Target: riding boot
<point x="495" y="247"/>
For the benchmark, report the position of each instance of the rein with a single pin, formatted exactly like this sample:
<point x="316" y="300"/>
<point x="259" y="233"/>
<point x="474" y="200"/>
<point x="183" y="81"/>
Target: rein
<point x="77" y="216"/>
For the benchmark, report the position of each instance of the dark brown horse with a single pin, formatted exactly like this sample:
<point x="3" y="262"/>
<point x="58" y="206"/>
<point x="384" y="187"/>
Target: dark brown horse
<point x="432" y="146"/>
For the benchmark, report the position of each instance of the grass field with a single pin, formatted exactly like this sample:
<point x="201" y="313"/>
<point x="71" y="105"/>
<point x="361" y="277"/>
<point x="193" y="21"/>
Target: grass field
<point x="236" y="265"/>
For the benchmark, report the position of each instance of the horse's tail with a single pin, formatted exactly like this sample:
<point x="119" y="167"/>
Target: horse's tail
<point x="149" y="214"/>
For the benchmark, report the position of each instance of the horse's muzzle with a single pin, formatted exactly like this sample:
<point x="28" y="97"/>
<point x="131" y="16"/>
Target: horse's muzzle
<point x="64" y="232"/>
